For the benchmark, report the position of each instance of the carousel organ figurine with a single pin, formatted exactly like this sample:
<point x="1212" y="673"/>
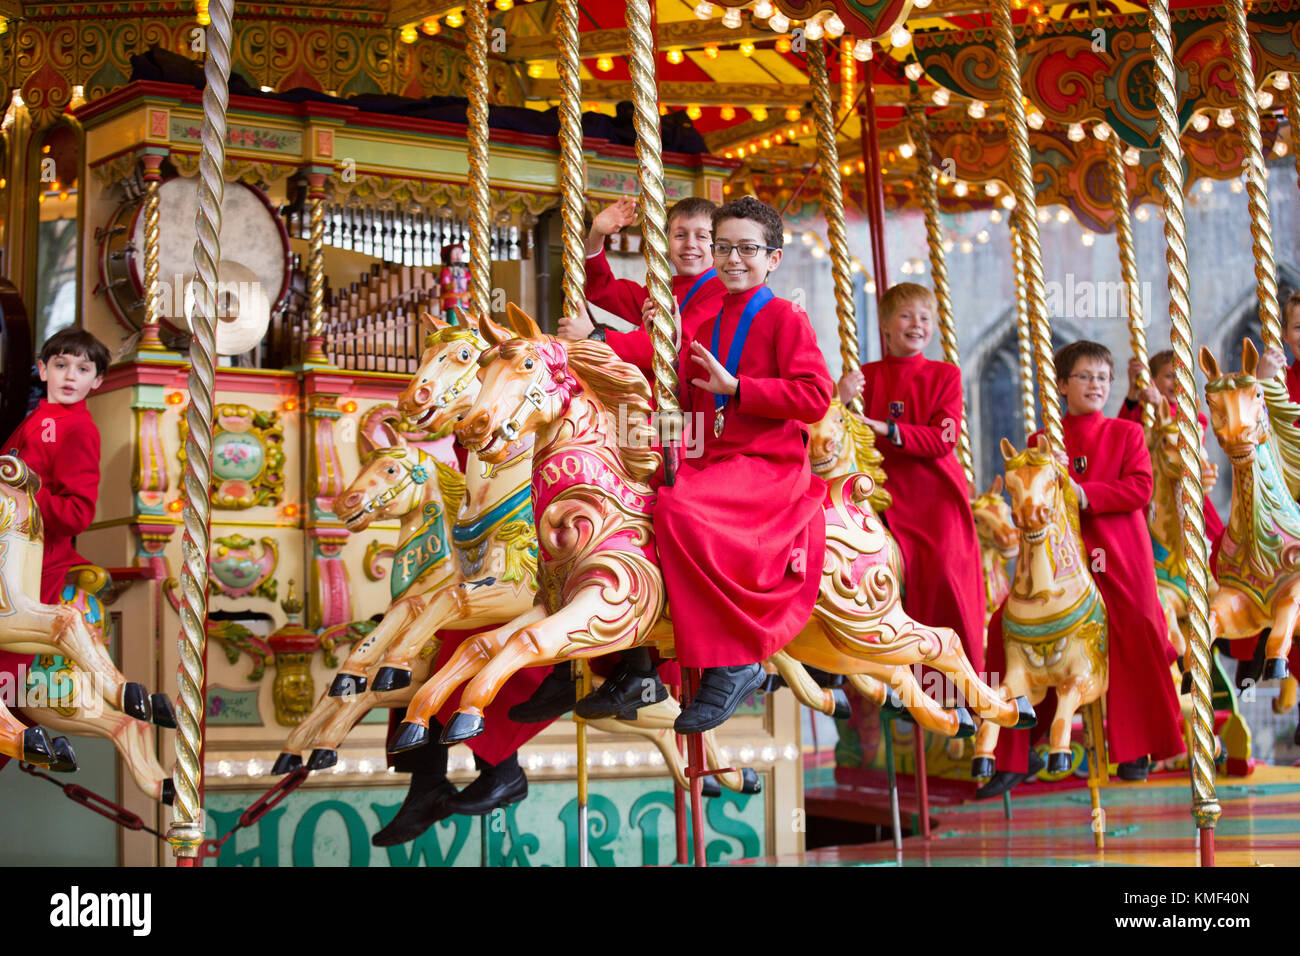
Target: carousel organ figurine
<point x="453" y="281"/>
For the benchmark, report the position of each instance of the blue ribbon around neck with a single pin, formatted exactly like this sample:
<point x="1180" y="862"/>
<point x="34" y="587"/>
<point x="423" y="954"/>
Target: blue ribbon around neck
<point x="760" y="299"/>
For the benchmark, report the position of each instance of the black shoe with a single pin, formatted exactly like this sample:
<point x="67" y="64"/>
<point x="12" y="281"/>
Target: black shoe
<point x="425" y="805"/>
<point x="1135" y="769"/>
<point x="1005" y="780"/>
<point x="625" y="690"/>
<point x="554" y="697"/>
<point x="489" y="792"/>
<point x="720" y="693"/>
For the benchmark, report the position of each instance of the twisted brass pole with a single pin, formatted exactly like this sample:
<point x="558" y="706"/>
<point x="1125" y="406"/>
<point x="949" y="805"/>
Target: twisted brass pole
<point x="1293" y="117"/>
<point x="1024" y="334"/>
<point x="478" y="194"/>
<point x="920" y="133"/>
<point x="1205" y="805"/>
<point x="316" y="271"/>
<point x="1027" y="207"/>
<point x="641" y="60"/>
<point x="1256" y="186"/>
<point x="186" y="832"/>
<point x="828" y="160"/>
<point x="572" y="181"/>
<point x="1128" y="267"/>
<point x="149" y="340"/>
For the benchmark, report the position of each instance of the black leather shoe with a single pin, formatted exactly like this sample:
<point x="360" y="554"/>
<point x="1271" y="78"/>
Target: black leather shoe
<point x="1135" y="769"/>
<point x="626" y="690"/>
<point x="720" y="693"/>
<point x="488" y="792"/>
<point x="1005" y="780"/>
<point x="425" y="805"/>
<point x="554" y="697"/>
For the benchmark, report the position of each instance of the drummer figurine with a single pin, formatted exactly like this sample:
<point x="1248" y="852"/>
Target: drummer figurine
<point x="453" y="282"/>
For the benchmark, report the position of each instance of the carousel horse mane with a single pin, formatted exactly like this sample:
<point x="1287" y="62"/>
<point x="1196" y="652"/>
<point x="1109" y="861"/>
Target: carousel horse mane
<point x="15" y="473"/>
<point x="867" y="458"/>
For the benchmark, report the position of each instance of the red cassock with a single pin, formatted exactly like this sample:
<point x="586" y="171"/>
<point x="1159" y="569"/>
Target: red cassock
<point x="741" y="535"/>
<point x="66" y="435"/>
<point x="1109" y="461"/>
<point x="625" y="298"/>
<point x="930" y="516"/>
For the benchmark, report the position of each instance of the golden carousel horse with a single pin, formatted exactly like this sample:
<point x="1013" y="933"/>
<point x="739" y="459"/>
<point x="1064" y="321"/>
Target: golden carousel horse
<point x="1259" y="560"/>
<point x="1054" y="623"/>
<point x="486" y="516"/>
<point x="999" y="543"/>
<point x="601" y="590"/>
<point x="122" y="710"/>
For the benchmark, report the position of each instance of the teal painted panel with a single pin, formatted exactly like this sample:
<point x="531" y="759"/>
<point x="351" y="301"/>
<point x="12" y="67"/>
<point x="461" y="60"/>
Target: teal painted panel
<point x="630" y="824"/>
<point x="41" y="827"/>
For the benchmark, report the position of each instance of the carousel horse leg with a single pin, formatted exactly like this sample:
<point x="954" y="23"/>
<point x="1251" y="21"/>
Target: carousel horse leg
<point x="1069" y="698"/>
<point x="1279" y="638"/>
<point x="928" y="712"/>
<point x="305" y="734"/>
<point x="446" y="606"/>
<point x="1016" y="712"/>
<point x="351" y="678"/>
<point x="537" y="643"/>
<point x="830" y="701"/>
<point x="33" y="745"/>
<point x="1014" y="685"/>
<point x="351" y="709"/>
<point x="464" y="664"/>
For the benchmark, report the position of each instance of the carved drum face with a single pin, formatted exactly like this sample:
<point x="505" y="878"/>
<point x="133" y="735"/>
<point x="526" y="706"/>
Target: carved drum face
<point x="293" y="691"/>
<point x="444" y="386"/>
<point x="828" y="444"/>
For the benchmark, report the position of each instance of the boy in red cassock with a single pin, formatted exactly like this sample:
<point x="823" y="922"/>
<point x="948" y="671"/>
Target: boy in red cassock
<point x="915" y="405"/>
<point x="1111" y="473"/>
<point x="634" y="680"/>
<point x="59" y="441"/>
<point x="741" y="534"/>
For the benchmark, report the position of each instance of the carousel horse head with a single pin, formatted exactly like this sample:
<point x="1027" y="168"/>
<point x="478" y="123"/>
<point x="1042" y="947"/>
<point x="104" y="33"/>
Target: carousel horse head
<point x="1162" y="442"/>
<point x="993" y="522"/>
<point x="389" y="467"/>
<point x="18" y="510"/>
<point x="842" y="443"/>
<point x="534" y="381"/>
<point x="1238" y="411"/>
<point x="1037" y="483"/>
<point x="446" y="382"/>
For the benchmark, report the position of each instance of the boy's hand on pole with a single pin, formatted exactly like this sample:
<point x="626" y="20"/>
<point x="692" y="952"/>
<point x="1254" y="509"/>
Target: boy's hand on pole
<point x="1270" y="363"/>
<point x="850" y="385"/>
<point x="576" y="327"/>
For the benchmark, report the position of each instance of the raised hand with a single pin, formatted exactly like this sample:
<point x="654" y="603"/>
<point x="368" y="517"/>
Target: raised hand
<point x="720" y="381"/>
<point x="1270" y="363"/>
<point x="615" y="217"/>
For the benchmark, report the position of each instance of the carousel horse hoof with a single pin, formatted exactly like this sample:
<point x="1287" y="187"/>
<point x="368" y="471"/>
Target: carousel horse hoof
<point x="322" y="759"/>
<point x="462" y="727"/>
<point x="824" y="678"/>
<point x="38" y="748"/>
<point x="750" y="781"/>
<point x="286" y="763"/>
<point x="135" y="702"/>
<point x="774" y="683"/>
<point x="1275" y="669"/>
<point x="65" y="760"/>
<point x="391" y="678"/>
<point x="1058" y="762"/>
<point x="168" y="796"/>
<point x="1027" y="718"/>
<point x="409" y="736"/>
<point x="981" y="768"/>
<point x="965" y="724"/>
<point x="345" y="685"/>
<point x="163" y="714"/>
<point x="709" y="787"/>
<point x="1186" y="686"/>
<point x="893" y="705"/>
<point x="842" y="709"/>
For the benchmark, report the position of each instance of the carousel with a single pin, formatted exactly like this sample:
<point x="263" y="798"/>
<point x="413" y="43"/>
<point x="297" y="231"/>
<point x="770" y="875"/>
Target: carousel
<point x="363" y="497"/>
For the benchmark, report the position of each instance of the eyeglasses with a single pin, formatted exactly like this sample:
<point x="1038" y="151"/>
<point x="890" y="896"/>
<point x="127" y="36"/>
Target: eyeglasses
<point x="1090" y="379"/>
<point x="747" y="250"/>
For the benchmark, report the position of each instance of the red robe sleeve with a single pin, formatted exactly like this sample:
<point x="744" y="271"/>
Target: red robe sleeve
<point x="1132" y="490"/>
<point x="928" y="440"/>
<point x="802" y="391"/>
<point x="633" y="347"/>
<point x="622" y="297"/>
<point x="67" y="500"/>
<point x="1131" y="413"/>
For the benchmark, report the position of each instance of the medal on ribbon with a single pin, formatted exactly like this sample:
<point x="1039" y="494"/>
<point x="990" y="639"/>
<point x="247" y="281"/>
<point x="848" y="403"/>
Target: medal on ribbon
<point x="756" y="303"/>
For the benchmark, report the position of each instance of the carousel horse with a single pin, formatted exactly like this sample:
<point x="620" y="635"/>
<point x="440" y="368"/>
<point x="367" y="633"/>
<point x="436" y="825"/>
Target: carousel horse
<point x="394" y="661"/>
<point x="999" y="543"/>
<point x="34" y="745"/>
<point x="1054" y="624"/>
<point x="1259" y="560"/>
<point x="29" y="627"/>
<point x="601" y="590"/>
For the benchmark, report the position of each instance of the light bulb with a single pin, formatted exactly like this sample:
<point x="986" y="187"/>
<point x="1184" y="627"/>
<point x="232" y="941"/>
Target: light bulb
<point x="855" y="266"/>
<point x="906" y="150"/>
<point x="431" y="26"/>
<point x="807" y="238"/>
<point x="948" y="245"/>
<point x="1236" y="186"/>
<point x="1008" y="201"/>
<point x="967" y="246"/>
<point x="604" y="64"/>
<point x="899" y="36"/>
<point x="995" y="216"/>
<point x="1101" y="131"/>
<point x="731" y="19"/>
<point x="921" y="4"/>
<point x="792" y="114"/>
<point x="960" y="189"/>
<point x="747" y="48"/>
<point x="976" y="109"/>
<point x="1207" y="186"/>
<point x="813" y="31"/>
<point x="1062" y="215"/>
<point x="674" y="56"/>
<point x="782" y="44"/>
<point x="758" y="112"/>
<point x="1265" y="99"/>
<point x="1225" y="118"/>
<point x="834" y="27"/>
<point x="535" y="70"/>
<point x="778" y="22"/>
<point x="1200" y="122"/>
<point x="869" y="287"/>
<point x="1034" y="119"/>
<point x="818" y="252"/>
<point x="456" y="20"/>
<point x="694" y="112"/>
<point x="727" y="113"/>
<point x="906" y="267"/>
<point x="704" y="10"/>
<point x="992" y="189"/>
<point x="763" y="9"/>
<point x="1132" y="156"/>
<point x="1281" y="81"/>
<point x="1087" y="239"/>
<point x="1142" y="214"/>
<point x="504" y="5"/>
<point x="1044" y="215"/>
<point x="914" y="70"/>
<point x="982" y="236"/>
<point x="1076" y="133"/>
<point x="862" y="50"/>
<point x="940" y="96"/>
<point x="1279" y="147"/>
<point x="711" y="52"/>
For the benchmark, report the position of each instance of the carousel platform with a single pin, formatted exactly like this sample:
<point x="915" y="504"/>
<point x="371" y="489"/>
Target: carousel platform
<point x="1147" y="824"/>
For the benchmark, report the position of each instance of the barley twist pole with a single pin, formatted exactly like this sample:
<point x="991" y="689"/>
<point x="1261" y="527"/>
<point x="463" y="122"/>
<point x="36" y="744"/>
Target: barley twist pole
<point x="186" y="831"/>
<point x="1137" y="333"/>
<point x="1025" y="335"/>
<point x="316" y="271"/>
<point x="149" y="340"/>
<point x="1205" y="805"/>
<point x="479" y="195"/>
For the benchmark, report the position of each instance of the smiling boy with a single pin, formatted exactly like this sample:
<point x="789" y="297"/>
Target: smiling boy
<point x="741" y="534"/>
<point x="1111" y="472"/>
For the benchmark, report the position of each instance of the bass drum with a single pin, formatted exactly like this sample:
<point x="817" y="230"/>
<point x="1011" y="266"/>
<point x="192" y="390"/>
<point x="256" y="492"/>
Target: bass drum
<point x="253" y="273"/>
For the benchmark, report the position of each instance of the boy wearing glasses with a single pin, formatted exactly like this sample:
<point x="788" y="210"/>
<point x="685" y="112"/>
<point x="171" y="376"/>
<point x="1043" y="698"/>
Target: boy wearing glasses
<point x="913" y="405"/>
<point x="741" y="535"/>
<point x="1110" y="471"/>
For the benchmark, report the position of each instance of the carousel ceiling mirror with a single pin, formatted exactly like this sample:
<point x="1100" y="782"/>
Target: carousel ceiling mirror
<point x="57" y="166"/>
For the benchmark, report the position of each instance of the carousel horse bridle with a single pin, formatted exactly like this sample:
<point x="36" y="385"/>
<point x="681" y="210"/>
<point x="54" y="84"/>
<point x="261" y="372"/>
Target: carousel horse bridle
<point x="553" y="364"/>
<point x="453" y="333"/>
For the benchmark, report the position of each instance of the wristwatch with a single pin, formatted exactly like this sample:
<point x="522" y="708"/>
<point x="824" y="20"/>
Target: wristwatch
<point x="598" y="333"/>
